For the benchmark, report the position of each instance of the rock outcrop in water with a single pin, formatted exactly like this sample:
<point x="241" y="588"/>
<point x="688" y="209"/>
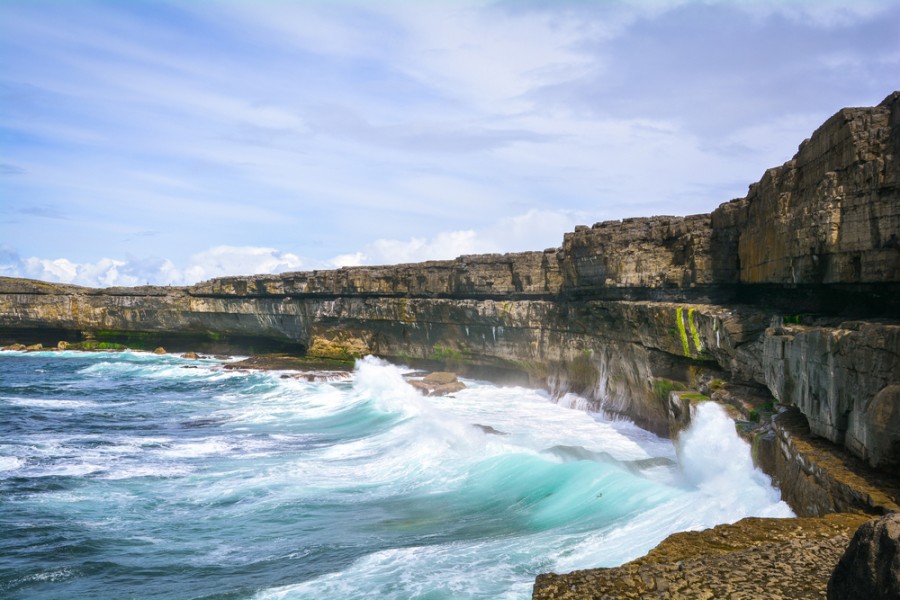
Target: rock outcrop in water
<point x="788" y="296"/>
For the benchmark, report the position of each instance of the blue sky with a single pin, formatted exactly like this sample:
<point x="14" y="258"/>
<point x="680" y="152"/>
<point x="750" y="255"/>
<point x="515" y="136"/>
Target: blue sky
<point x="171" y="142"/>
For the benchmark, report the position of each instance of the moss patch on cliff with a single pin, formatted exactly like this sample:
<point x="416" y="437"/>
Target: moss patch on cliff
<point x="446" y="354"/>
<point x="695" y="335"/>
<point x="682" y="334"/>
<point x="662" y="387"/>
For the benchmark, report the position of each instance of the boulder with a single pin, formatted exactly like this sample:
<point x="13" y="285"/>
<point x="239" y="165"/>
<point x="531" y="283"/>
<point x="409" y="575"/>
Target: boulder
<point x="440" y="378"/>
<point x="870" y="568"/>
<point x="160" y="350"/>
<point x="439" y="383"/>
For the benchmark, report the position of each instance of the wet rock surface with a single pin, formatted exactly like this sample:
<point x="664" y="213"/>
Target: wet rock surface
<point x="284" y="362"/>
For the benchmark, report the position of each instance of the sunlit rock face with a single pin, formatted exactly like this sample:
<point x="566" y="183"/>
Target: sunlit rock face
<point x="789" y="294"/>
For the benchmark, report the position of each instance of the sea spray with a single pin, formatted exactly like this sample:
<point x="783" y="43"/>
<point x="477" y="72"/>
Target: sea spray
<point x="130" y="475"/>
<point x="719" y="463"/>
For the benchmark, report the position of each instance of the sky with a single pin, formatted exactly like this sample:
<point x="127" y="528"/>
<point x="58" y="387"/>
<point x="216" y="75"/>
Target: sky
<point x="171" y="142"/>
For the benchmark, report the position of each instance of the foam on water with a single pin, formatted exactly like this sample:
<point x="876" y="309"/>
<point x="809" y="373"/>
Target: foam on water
<point x="10" y="463"/>
<point x="131" y="476"/>
<point x="48" y="403"/>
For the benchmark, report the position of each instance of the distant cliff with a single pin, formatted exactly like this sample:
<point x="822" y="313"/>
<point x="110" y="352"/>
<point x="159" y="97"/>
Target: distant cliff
<point x="789" y="295"/>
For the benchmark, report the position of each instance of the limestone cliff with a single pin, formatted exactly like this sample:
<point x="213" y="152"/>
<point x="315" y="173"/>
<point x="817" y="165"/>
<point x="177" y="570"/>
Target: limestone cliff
<point x="790" y="294"/>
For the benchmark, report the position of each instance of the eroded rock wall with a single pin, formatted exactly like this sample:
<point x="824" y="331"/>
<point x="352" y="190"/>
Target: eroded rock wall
<point x="521" y="274"/>
<point x="655" y="252"/>
<point x="832" y="213"/>
<point x="845" y="380"/>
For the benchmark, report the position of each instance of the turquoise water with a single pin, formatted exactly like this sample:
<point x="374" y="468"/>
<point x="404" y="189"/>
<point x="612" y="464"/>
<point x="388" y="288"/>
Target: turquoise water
<point x="130" y="475"/>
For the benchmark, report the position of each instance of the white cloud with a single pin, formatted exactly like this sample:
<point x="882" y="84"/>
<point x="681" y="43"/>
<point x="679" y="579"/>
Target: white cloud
<point x="106" y="272"/>
<point x="347" y="260"/>
<point x="239" y="260"/>
<point x="534" y="230"/>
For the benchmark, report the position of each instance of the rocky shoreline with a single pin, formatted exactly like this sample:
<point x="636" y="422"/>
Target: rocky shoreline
<point x="782" y="305"/>
<point x="753" y="558"/>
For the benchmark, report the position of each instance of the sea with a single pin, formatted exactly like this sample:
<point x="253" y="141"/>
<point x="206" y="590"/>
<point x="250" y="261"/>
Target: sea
<point x="134" y="475"/>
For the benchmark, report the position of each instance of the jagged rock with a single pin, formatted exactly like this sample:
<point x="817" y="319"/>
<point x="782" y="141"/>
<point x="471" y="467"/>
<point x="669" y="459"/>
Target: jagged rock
<point x="34" y="347"/>
<point x="62" y="345"/>
<point x="17" y="347"/>
<point x="190" y="355"/>
<point x="870" y="568"/>
<point x="159" y="350"/>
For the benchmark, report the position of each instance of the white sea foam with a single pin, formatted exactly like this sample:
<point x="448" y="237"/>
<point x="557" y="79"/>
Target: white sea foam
<point x="10" y="463"/>
<point x="439" y="571"/>
<point x="722" y="486"/>
<point x="534" y="422"/>
<point x="66" y="469"/>
<point x="49" y="403"/>
<point x="196" y="449"/>
<point x="147" y="470"/>
<point x="718" y="462"/>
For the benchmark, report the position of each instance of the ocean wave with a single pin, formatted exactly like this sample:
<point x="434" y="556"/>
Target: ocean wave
<point x="48" y="403"/>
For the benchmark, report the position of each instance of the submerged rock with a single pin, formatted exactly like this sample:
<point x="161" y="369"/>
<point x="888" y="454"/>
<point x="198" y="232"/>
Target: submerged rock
<point x="319" y="376"/>
<point x="489" y="430"/>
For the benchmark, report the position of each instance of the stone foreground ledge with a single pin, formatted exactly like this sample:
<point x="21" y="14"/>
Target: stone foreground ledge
<point x="753" y="558"/>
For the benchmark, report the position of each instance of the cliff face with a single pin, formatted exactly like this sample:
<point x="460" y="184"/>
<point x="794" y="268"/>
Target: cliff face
<point x="788" y="294"/>
<point x="832" y="213"/>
